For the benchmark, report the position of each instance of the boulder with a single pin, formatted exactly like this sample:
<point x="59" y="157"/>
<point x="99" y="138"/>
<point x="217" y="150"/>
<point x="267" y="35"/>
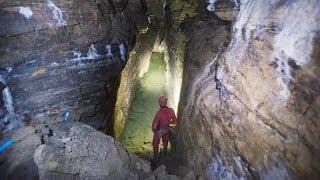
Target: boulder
<point x="45" y="130"/>
<point x="152" y="177"/>
<point x="169" y="177"/>
<point x="21" y="133"/>
<point x="86" y="152"/>
<point x="160" y="172"/>
<point x="140" y="164"/>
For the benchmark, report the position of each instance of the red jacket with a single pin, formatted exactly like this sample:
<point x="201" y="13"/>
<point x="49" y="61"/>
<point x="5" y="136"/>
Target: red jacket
<point x="164" y="117"/>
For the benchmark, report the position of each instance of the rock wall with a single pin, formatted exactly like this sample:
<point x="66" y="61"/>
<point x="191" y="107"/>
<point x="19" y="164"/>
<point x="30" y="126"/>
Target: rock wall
<point x="137" y="65"/>
<point x="60" y="56"/>
<point x="174" y="51"/>
<point x="225" y="9"/>
<point x="251" y="110"/>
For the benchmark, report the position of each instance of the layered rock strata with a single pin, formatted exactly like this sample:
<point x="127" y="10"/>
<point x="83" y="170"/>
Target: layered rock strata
<point x="251" y="110"/>
<point x="63" y="56"/>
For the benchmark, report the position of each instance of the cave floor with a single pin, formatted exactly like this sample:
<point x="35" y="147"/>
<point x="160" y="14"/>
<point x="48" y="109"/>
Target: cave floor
<point x="137" y="136"/>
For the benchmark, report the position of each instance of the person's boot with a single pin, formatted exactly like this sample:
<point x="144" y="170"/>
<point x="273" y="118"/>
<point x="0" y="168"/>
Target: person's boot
<point x="155" y="157"/>
<point x="165" y="150"/>
<point x="155" y="161"/>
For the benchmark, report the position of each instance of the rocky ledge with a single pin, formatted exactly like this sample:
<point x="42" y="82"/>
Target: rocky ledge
<point x="53" y="149"/>
<point x="87" y="153"/>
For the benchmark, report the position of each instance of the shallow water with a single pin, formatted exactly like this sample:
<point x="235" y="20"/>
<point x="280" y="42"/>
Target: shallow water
<point x="137" y="136"/>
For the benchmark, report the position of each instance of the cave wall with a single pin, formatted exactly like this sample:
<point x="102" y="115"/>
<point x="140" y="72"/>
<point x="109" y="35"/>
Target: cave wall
<point x="249" y="104"/>
<point x="66" y="56"/>
<point x="174" y="57"/>
<point x="138" y="64"/>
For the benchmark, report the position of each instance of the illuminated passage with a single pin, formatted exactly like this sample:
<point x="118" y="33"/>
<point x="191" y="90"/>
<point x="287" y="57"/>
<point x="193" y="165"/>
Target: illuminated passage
<point x="137" y="136"/>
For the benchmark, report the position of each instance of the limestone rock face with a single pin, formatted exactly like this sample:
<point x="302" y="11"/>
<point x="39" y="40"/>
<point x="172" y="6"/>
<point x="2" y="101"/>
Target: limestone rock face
<point x="69" y="150"/>
<point x="85" y="153"/>
<point x="225" y="9"/>
<point x="59" y="56"/>
<point x="137" y="65"/>
<point x="252" y="110"/>
<point x="88" y="153"/>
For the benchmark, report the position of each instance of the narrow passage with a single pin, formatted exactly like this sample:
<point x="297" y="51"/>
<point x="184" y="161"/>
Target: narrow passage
<point x="137" y="136"/>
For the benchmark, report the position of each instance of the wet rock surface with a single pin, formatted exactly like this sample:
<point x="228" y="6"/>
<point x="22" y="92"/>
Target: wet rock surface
<point x="251" y="108"/>
<point x="137" y="135"/>
<point x="137" y="65"/>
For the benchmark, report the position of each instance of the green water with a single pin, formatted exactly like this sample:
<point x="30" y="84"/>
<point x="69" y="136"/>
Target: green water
<point x="137" y="136"/>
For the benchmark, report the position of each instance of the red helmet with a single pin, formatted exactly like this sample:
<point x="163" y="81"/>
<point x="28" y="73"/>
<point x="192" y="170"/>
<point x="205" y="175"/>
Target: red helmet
<point x="162" y="101"/>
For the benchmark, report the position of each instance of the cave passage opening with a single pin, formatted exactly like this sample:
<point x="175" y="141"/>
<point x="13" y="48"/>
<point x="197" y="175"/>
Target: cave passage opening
<point x="137" y="134"/>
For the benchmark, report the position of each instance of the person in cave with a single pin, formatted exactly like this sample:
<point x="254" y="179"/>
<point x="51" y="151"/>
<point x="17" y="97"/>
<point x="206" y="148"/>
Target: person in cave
<point x="161" y="126"/>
